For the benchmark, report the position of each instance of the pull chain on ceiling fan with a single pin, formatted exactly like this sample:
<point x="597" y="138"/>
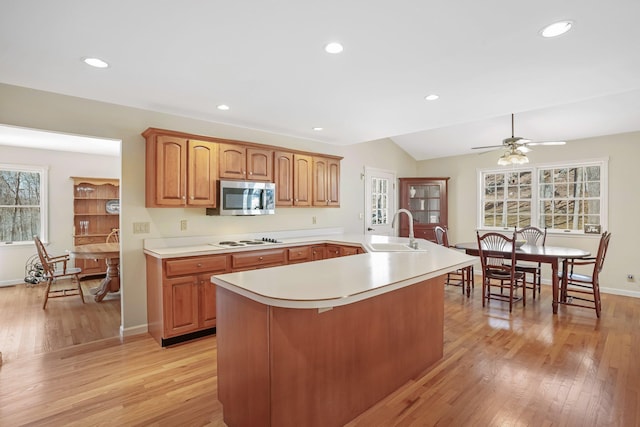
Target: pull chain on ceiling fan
<point x="516" y="147"/>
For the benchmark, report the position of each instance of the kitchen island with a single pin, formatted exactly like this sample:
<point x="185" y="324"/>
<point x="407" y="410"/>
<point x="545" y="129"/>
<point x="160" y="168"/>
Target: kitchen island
<point x="318" y="343"/>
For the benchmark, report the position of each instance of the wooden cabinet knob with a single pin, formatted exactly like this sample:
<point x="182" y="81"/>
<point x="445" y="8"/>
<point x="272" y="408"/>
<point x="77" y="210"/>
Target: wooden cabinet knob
<point x="199" y="265"/>
<point x="261" y="258"/>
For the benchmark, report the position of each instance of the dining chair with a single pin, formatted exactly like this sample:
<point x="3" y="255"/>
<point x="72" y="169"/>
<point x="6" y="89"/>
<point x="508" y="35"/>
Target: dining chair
<point x="462" y="277"/>
<point x="534" y="237"/>
<point x="56" y="268"/>
<point x="585" y="288"/>
<point x="114" y="236"/>
<point x="494" y="249"/>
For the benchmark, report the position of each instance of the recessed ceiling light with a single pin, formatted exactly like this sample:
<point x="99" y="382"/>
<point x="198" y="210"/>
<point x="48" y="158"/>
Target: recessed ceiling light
<point x="317" y="129"/>
<point x="556" y="29"/>
<point x="431" y="97"/>
<point x="333" y="47"/>
<point x="223" y="107"/>
<point x="95" y="62"/>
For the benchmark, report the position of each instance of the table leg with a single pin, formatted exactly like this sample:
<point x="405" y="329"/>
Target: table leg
<point x="111" y="282"/>
<point x="555" y="285"/>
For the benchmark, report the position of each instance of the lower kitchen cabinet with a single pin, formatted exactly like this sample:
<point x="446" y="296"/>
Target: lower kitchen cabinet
<point x="181" y="300"/>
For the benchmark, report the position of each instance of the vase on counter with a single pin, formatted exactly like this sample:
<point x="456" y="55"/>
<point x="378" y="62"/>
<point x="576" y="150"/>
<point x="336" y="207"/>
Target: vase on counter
<point x="412" y="192"/>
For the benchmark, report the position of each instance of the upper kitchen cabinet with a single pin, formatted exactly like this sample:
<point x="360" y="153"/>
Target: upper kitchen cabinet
<point x="426" y="199"/>
<point x="244" y="162"/>
<point x="293" y="178"/>
<point x="180" y="172"/>
<point x="326" y="181"/>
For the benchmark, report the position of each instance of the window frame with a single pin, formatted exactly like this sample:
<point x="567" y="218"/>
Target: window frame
<point x="44" y="199"/>
<point x="536" y="171"/>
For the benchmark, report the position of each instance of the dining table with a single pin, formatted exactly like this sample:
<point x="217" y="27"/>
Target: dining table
<point x="552" y="255"/>
<point x="111" y="253"/>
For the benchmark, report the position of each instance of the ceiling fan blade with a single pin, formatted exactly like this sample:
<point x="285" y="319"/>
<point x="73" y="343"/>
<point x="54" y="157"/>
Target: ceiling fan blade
<point x="488" y="146"/>
<point x="546" y="143"/>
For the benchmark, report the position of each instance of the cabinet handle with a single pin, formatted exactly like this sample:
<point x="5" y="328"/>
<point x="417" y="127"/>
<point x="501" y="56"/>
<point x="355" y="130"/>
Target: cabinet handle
<point x="199" y="265"/>
<point x="250" y="173"/>
<point x="260" y="258"/>
<point x="192" y="197"/>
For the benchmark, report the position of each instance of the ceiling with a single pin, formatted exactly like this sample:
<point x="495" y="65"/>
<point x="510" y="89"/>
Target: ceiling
<point x="266" y="60"/>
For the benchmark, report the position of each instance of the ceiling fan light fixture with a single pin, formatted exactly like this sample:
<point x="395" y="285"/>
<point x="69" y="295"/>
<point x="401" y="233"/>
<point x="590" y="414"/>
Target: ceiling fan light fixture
<point x="513" y="157"/>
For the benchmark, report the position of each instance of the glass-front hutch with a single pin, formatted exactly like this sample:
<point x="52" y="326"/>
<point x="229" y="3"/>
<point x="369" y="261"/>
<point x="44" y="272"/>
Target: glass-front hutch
<point x="426" y="199"/>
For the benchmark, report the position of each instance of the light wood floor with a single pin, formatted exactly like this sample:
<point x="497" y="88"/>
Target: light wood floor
<point x="528" y="369"/>
<point x="26" y="329"/>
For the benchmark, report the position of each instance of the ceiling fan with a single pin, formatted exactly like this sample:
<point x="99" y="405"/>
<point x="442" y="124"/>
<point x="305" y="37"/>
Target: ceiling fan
<point x="516" y="147"/>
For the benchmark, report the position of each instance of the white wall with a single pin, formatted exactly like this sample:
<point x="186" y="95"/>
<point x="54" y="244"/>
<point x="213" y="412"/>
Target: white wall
<point x="623" y="152"/>
<point x="61" y="166"/>
<point x="43" y="110"/>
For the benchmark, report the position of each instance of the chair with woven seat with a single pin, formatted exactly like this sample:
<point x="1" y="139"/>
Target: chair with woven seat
<point x="114" y="236"/>
<point x="534" y="237"/>
<point x="498" y="258"/>
<point x="56" y="268"/>
<point x="585" y="288"/>
<point x="461" y="277"/>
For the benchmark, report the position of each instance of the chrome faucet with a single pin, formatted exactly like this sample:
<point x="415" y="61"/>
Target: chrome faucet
<point x="412" y="240"/>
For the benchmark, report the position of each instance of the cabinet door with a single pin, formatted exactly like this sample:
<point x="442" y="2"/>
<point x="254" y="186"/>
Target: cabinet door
<point x="202" y="173"/>
<point x="180" y="302"/>
<point x="318" y="252"/>
<point x="333" y="251"/>
<point x="171" y="171"/>
<point x="302" y="179"/>
<point x="233" y="161"/>
<point x="259" y="164"/>
<point x="207" y="301"/>
<point x="333" y="182"/>
<point x="320" y="188"/>
<point x="283" y="174"/>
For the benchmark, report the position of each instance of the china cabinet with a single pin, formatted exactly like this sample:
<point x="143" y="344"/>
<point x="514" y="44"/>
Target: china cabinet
<point x="96" y="213"/>
<point x="426" y="199"/>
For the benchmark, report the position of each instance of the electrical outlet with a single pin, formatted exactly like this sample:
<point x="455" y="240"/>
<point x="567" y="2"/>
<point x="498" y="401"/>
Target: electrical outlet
<point x="313" y="220"/>
<point x="141" y="227"/>
<point x="183" y="225"/>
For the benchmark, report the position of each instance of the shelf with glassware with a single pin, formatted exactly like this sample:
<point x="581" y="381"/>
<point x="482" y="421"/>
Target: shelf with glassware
<point x="96" y="212"/>
<point x="426" y="199"/>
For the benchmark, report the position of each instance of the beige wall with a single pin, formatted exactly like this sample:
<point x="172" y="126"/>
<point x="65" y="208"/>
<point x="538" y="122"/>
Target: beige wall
<point x="61" y="166"/>
<point x="42" y="110"/>
<point x="622" y="151"/>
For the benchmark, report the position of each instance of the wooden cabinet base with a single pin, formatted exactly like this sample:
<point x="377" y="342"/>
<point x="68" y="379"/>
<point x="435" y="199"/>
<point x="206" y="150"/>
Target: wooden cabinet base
<point x="293" y="367"/>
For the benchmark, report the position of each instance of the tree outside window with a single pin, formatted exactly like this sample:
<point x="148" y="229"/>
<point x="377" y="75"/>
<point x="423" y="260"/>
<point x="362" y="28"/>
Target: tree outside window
<point x="22" y="196"/>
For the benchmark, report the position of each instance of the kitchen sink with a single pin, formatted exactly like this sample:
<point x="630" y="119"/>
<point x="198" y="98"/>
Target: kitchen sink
<point x="393" y="247"/>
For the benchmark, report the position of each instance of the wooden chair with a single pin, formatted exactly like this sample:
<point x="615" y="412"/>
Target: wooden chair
<point x="460" y="277"/>
<point x="582" y="287"/>
<point x="493" y="249"/>
<point x="56" y="268"/>
<point x="114" y="236"/>
<point x="534" y="237"/>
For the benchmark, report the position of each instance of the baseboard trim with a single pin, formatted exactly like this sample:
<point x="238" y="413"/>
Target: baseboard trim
<point x="134" y="330"/>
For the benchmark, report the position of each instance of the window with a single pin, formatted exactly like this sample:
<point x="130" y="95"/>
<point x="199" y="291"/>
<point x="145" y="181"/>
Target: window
<point x="561" y="197"/>
<point x="23" y="196"/>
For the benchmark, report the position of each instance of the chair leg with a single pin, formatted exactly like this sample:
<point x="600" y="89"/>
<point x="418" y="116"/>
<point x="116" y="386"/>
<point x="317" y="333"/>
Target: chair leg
<point x="46" y="293"/>
<point x="79" y="288"/>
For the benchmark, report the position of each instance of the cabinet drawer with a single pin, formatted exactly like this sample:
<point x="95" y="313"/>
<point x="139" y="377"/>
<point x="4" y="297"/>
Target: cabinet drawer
<point x="299" y="254"/>
<point x="195" y="265"/>
<point x="252" y="259"/>
<point x="349" y="250"/>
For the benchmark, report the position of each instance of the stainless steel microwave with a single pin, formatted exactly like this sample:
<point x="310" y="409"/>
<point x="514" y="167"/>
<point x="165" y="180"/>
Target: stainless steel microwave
<point x="245" y="198"/>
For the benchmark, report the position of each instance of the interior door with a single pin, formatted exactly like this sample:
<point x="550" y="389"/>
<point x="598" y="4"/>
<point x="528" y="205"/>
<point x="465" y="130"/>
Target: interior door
<point x="380" y="201"/>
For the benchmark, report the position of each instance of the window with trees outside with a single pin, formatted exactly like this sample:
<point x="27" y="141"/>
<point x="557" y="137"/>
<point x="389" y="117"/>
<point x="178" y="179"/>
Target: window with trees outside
<point x="564" y="198"/>
<point x="23" y="196"/>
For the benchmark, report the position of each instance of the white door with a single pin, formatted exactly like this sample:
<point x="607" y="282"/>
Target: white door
<point x="380" y="201"/>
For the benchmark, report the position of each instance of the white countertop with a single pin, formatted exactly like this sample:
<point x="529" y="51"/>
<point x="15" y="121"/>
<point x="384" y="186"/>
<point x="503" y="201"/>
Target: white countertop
<point x="330" y="282"/>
